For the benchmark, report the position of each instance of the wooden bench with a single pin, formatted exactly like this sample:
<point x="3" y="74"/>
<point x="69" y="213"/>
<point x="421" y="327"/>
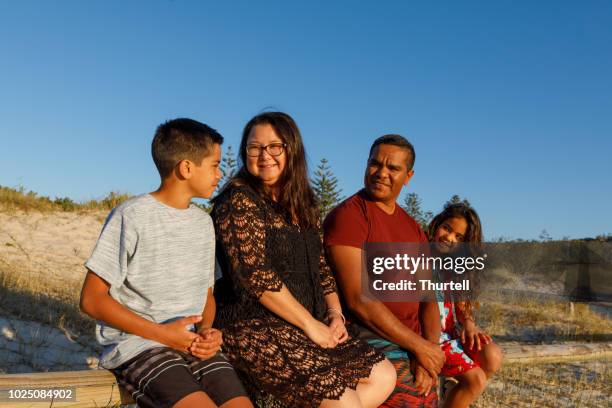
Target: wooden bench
<point x="98" y="388"/>
<point x="94" y="388"/>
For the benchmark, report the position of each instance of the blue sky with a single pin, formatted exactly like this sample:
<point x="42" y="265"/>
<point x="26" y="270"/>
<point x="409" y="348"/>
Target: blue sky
<point x="507" y="103"/>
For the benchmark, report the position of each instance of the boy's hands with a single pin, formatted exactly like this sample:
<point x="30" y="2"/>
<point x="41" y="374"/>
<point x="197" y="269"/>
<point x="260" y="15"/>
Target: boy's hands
<point x="207" y="343"/>
<point x="177" y="335"/>
<point x="472" y="336"/>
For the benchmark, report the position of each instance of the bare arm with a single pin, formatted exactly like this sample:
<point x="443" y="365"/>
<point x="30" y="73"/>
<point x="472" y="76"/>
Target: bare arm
<point x="283" y="304"/>
<point x="208" y="314"/>
<point x="210" y="340"/>
<point x="430" y="321"/>
<point x="375" y="315"/>
<point x="335" y="317"/>
<point x="97" y="303"/>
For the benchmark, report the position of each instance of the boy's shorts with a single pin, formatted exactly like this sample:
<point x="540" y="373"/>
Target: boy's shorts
<point x="160" y="377"/>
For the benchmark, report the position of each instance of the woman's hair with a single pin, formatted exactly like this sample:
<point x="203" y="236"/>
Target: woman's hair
<point x="460" y="210"/>
<point x="297" y="197"/>
<point x="473" y="238"/>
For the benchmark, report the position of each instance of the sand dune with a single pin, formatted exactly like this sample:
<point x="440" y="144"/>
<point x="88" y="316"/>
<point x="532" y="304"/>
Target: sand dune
<point x="54" y="244"/>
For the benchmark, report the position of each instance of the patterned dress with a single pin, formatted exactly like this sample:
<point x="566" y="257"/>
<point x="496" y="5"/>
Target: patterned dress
<point x="458" y="360"/>
<point x="259" y="249"/>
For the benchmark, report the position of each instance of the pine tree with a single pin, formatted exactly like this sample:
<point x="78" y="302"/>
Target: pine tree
<point x="325" y="186"/>
<point x="412" y="205"/>
<point x="455" y="199"/>
<point x="228" y="166"/>
<point x="545" y="236"/>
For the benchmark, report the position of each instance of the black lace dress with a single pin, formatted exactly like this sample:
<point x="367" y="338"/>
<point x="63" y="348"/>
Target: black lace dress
<point x="258" y="250"/>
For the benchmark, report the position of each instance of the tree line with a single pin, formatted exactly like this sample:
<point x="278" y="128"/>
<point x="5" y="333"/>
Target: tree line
<point x="329" y="195"/>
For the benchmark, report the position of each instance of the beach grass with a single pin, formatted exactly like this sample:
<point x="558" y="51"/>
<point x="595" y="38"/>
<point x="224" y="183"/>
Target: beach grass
<point x="585" y="384"/>
<point x="12" y="199"/>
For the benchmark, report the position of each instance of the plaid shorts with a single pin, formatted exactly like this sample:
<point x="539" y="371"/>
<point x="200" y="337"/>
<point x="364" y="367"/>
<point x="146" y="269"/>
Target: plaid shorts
<point x="160" y="377"/>
<point x="405" y="394"/>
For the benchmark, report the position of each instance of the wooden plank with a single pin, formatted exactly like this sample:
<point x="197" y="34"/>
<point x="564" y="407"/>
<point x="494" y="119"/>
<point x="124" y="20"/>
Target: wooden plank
<point x="98" y="388"/>
<point x="94" y="388"/>
<point x="539" y="353"/>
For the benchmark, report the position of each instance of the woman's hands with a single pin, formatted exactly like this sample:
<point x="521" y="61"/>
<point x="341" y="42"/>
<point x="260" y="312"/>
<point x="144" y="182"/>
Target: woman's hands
<point x="330" y="335"/>
<point x="472" y="336"/>
<point x="336" y="324"/>
<point x="320" y="334"/>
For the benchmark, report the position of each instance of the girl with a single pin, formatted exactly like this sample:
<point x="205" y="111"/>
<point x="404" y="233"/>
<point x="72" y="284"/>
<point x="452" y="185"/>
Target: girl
<point x="471" y="355"/>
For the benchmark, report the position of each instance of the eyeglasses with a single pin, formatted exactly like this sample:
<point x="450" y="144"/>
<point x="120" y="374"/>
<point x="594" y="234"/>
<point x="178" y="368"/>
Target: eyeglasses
<point x="273" y="149"/>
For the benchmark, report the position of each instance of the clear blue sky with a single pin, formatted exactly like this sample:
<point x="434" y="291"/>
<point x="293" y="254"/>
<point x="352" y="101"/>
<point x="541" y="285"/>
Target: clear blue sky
<point x="508" y="103"/>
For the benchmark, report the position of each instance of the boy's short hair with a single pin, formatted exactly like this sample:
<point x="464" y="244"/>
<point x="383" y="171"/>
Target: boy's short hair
<point x="182" y="139"/>
<point x="399" y="141"/>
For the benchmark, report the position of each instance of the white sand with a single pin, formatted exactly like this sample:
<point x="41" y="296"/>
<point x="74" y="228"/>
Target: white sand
<point x="27" y="347"/>
<point x="51" y="247"/>
<point x="54" y="245"/>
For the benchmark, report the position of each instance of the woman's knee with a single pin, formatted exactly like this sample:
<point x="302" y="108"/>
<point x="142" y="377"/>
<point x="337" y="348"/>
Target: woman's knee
<point x="383" y="375"/>
<point x="349" y="399"/>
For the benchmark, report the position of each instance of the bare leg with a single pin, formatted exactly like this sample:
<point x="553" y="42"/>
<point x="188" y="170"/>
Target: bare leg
<point x="197" y="399"/>
<point x="375" y="389"/>
<point x="490" y="359"/>
<point x="470" y="386"/>
<point x="238" y="402"/>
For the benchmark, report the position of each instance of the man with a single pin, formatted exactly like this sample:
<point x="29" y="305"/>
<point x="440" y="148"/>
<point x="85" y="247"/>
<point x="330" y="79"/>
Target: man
<point x="407" y="332"/>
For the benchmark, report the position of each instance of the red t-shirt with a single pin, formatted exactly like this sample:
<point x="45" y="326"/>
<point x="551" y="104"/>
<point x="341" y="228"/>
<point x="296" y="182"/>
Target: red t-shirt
<point x="358" y="220"/>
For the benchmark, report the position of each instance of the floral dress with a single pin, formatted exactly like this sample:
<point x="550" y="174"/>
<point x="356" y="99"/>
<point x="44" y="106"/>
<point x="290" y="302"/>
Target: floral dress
<point x="458" y="360"/>
<point x="258" y="250"/>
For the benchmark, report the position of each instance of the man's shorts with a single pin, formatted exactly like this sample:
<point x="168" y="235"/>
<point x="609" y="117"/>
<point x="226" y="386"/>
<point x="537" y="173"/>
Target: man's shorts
<point x="405" y="394"/>
<point x="160" y="377"/>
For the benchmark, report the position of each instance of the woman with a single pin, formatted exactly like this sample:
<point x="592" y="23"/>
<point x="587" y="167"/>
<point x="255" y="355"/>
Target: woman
<point x="278" y="308"/>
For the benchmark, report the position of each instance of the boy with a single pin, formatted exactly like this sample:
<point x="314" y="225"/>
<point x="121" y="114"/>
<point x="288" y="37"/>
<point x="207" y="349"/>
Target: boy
<point x="149" y="274"/>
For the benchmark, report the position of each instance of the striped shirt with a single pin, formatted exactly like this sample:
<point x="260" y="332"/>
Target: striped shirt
<point x="159" y="262"/>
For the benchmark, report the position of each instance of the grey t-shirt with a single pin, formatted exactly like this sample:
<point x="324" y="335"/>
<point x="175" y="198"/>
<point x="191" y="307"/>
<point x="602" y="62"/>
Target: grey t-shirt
<point x="159" y="262"/>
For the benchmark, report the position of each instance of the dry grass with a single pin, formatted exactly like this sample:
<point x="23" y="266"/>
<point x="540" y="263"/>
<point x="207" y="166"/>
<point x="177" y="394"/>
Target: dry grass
<point x="19" y="199"/>
<point x="534" y="321"/>
<point x="28" y="296"/>
<point x="578" y="384"/>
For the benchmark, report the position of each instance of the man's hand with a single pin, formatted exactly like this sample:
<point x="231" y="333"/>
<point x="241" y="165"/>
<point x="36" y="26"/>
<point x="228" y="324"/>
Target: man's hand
<point x="430" y="356"/>
<point x="422" y="380"/>
<point x="472" y="336"/>
<point x="207" y="344"/>
<point x="177" y="335"/>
